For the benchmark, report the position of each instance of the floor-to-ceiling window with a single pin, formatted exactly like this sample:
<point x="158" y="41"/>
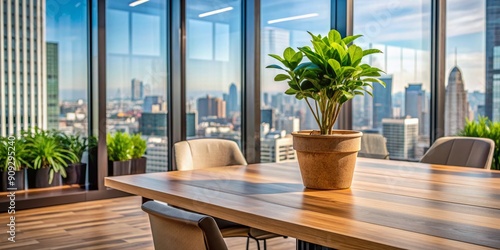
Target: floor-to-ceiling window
<point x="400" y="111"/>
<point x="213" y="69"/>
<point x="285" y="24"/>
<point x="136" y="75"/>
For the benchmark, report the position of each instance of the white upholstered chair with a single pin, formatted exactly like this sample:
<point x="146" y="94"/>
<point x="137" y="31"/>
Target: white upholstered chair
<point x="461" y="151"/>
<point x="173" y="228"/>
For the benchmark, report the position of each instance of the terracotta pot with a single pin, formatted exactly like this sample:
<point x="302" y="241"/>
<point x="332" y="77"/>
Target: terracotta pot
<point x="327" y="161"/>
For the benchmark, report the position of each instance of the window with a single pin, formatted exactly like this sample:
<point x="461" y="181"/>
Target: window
<point x="137" y="75"/>
<point x="213" y="69"/>
<point x="402" y="31"/>
<point x="285" y="24"/>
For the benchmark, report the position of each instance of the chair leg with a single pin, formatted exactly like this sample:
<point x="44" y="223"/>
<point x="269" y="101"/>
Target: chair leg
<point x="248" y="242"/>
<point x="265" y="245"/>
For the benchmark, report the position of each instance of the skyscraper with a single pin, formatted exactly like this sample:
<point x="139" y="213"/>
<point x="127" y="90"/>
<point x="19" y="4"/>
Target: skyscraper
<point x="456" y="105"/>
<point x="382" y="101"/>
<point x="402" y="137"/>
<point x="23" y="89"/>
<point x="492" y="103"/>
<point x="52" y="86"/>
<point x="211" y="106"/>
<point x="416" y="105"/>
<point x="232" y="101"/>
<point x="152" y="103"/>
<point x="137" y="89"/>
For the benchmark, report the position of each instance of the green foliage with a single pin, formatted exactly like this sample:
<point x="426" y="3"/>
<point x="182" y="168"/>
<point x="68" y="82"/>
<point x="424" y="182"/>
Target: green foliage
<point x="333" y="75"/>
<point x="47" y="151"/>
<point x="74" y="143"/>
<point x="119" y="147"/>
<point x="486" y="129"/>
<point x="13" y="152"/>
<point x="139" y="146"/>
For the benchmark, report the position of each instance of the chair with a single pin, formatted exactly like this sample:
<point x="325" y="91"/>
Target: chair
<point x="205" y="153"/>
<point x="461" y="151"/>
<point x="373" y="146"/>
<point x="174" y="228"/>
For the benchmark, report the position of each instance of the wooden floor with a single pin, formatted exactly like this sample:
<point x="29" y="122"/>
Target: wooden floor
<point x="105" y="224"/>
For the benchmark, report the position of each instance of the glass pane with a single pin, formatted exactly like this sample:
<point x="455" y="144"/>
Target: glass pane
<point x="399" y="112"/>
<point x="136" y="46"/>
<point x="467" y="61"/>
<point x="285" y="24"/>
<point x="213" y="69"/>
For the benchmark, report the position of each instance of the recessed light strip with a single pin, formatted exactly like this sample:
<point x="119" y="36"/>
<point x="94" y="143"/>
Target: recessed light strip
<point x="292" y="18"/>
<point x="135" y="3"/>
<point x="213" y="12"/>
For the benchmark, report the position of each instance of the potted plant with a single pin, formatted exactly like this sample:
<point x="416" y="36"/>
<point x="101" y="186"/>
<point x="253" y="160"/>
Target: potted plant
<point x="138" y="163"/>
<point x="485" y="128"/>
<point x="76" y="144"/>
<point x="333" y="75"/>
<point x="14" y="159"/>
<point x="119" y="154"/>
<point x="49" y="157"/>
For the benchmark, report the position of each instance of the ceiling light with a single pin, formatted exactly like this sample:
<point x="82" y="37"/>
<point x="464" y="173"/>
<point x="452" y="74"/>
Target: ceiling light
<point x="292" y="18"/>
<point x="213" y="12"/>
<point x="135" y="3"/>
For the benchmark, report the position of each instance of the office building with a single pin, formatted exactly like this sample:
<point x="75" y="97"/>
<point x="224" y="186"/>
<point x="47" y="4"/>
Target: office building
<point x="277" y="147"/>
<point x="153" y="104"/>
<point x="416" y="106"/>
<point x="137" y="90"/>
<point x="232" y="104"/>
<point x="402" y="137"/>
<point x="191" y="122"/>
<point x="156" y="153"/>
<point x="456" y="105"/>
<point x="288" y="124"/>
<point x="382" y="101"/>
<point x="52" y="86"/>
<point x="492" y="32"/>
<point x="153" y="124"/>
<point x="23" y="81"/>
<point x="211" y="106"/>
<point x="268" y="116"/>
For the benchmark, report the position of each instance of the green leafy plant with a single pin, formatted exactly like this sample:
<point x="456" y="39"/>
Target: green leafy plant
<point x="485" y="128"/>
<point x="119" y="147"/>
<point x="74" y="143"/>
<point x="48" y="152"/>
<point x="139" y="146"/>
<point x="19" y="155"/>
<point x="333" y="75"/>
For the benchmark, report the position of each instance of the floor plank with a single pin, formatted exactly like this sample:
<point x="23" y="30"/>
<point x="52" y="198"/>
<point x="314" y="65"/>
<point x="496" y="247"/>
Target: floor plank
<point x="104" y="224"/>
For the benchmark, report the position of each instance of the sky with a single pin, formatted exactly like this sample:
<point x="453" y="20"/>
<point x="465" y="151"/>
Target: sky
<point x="137" y="42"/>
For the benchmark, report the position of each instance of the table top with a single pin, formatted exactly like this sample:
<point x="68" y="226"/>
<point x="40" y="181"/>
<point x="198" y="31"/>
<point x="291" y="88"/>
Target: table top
<point x="391" y="204"/>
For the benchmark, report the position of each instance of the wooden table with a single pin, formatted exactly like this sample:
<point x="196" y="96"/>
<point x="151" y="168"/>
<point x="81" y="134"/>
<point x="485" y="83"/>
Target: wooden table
<point x="391" y="204"/>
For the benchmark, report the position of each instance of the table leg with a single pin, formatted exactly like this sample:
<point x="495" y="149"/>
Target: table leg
<point x="303" y="245"/>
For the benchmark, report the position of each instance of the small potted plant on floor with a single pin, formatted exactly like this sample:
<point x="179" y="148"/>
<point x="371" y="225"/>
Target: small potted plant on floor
<point x="333" y="75"/>
<point x="49" y="157"/>
<point x="14" y="159"/>
<point x="138" y="164"/>
<point x="119" y="154"/>
<point x="76" y="144"/>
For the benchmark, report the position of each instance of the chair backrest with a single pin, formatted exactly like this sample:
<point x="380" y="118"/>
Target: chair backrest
<point x="174" y="228"/>
<point x="373" y="146"/>
<point x="204" y="153"/>
<point x="461" y="151"/>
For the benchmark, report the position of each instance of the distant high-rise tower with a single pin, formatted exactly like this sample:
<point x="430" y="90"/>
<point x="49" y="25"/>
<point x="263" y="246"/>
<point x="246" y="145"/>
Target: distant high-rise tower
<point x="211" y="106"/>
<point x="268" y="116"/>
<point x="152" y="104"/>
<point x="232" y="101"/>
<point x="137" y="90"/>
<point x="52" y="86"/>
<point x="492" y="102"/>
<point x="382" y="101"/>
<point x="416" y="105"/>
<point x="402" y="137"/>
<point x="456" y="105"/>
<point x="23" y="88"/>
